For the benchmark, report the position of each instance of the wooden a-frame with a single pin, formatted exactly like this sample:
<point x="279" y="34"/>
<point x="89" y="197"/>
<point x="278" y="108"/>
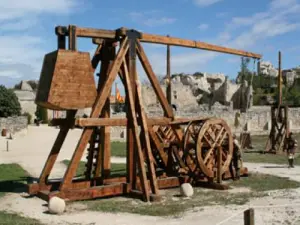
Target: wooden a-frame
<point x="96" y="129"/>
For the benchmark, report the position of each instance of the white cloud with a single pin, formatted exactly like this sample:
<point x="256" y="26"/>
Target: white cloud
<point x="151" y="18"/>
<point x="22" y="53"/>
<point x="11" y="74"/>
<point x="279" y="4"/>
<point x="203" y="26"/>
<point x="243" y="33"/>
<point x="15" y="9"/>
<point x="264" y="25"/>
<point x="18" y="25"/>
<point x="205" y="3"/>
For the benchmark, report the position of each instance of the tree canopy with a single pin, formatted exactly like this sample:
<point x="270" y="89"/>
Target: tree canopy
<point x="9" y="103"/>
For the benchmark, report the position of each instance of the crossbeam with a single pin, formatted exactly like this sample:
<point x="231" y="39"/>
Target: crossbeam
<point x="155" y="39"/>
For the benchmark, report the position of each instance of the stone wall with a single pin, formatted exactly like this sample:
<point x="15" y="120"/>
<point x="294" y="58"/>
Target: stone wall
<point x="13" y="124"/>
<point x="257" y="120"/>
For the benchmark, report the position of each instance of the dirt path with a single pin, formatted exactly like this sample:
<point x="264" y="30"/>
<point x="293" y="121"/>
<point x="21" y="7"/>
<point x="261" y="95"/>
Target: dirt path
<point x="30" y="149"/>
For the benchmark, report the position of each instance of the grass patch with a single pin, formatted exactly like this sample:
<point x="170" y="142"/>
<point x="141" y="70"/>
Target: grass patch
<point x="12" y="178"/>
<point x="172" y="205"/>
<point x="116" y="168"/>
<point x="118" y="149"/>
<point x="12" y="218"/>
<point x="259" y="143"/>
<point x="268" y="158"/>
<point x="263" y="182"/>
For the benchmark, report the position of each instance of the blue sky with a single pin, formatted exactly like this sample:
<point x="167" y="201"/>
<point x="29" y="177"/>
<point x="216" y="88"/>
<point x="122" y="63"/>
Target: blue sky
<point x="260" y="26"/>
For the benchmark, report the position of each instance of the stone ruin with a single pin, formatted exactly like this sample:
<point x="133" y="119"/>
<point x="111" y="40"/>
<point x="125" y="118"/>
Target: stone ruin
<point x="206" y="90"/>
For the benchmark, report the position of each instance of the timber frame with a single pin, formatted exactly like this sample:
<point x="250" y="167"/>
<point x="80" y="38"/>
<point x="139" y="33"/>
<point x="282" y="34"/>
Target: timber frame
<point x="98" y="181"/>
<point x="280" y="129"/>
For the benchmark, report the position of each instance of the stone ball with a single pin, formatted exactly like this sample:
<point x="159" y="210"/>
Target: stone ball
<point x="56" y="205"/>
<point x="186" y="190"/>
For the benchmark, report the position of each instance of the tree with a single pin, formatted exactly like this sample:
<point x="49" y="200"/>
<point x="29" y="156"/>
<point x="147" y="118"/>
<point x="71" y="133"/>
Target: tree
<point x="9" y="103"/>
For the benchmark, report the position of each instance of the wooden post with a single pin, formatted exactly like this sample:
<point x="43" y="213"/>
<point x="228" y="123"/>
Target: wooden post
<point x="219" y="169"/>
<point x="279" y="81"/>
<point x="168" y="77"/>
<point x="249" y="217"/>
<point x="286" y="121"/>
<point x="131" y="143"/>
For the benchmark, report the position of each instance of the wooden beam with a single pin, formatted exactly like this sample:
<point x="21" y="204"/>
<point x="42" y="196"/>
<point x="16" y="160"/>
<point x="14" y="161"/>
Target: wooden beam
<point x="168" y="78"/>
<point x="97" y="108"/>
<point x="103" y="158"/>
<point x="279" y="80"/>
<point x="154" y="81"/>
<point x="159" y="39"/>
<point x="147" y="146"/>
<point x="97" y="122"/>
<point x="140" y="162"/>
<point x="95" y="33"/>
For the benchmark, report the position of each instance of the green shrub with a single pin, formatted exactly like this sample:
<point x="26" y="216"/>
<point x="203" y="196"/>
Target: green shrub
<point x="42" y="114"/>
<point x="29" y="117"/>
<point x="9" y="103"/>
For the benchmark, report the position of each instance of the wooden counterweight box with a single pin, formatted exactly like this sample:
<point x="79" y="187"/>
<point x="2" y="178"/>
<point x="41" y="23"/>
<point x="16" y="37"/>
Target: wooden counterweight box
<point x="66" y="81"/>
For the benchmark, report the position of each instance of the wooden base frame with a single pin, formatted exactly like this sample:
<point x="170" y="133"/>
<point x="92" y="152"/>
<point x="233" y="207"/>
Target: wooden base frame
<point x="279" y="130"/>
<point x="142" y="178"/>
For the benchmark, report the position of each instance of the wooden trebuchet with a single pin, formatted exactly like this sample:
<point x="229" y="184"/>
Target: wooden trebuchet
<point x="174" y="151"/>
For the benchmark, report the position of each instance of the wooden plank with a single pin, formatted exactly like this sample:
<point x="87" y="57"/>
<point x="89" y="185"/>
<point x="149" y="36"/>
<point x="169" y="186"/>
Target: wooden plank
<point x="92" y="193"/>
<point x="104" y="153"/>
<point x="154" y="81"/>
<point x="141" y="167"/>
<point x="96" y="57"/>
<point x="159" y="146"/>
<point x="55" y="151"/>
<point x="145" y="135"/>
<point x="36" y="187"/>
<point x="168" y="78"/>
<point x="95" y="33"/>
<point x="159" y="39"/>
<point x="97" y="108"/>
<point x="131" y="155"/>
<point x="92" y="122"/>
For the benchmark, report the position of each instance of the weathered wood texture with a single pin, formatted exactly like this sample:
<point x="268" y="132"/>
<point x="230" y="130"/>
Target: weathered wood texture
<point x="66" y="81"/>
<point x="159" y="39"/>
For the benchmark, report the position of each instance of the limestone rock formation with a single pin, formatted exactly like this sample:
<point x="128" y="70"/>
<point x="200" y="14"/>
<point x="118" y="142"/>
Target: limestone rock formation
<point x="203" y="88"/>
<point x="266" y="68"/>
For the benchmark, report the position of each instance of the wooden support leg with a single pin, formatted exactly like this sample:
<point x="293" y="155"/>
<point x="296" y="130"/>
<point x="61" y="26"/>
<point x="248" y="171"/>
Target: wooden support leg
<point x="103" y="157"/>
<point x="97" y="108"/>
<point x="55" y="151"/>
<point x="141" y="167"/>
<point x="149" y="156"/>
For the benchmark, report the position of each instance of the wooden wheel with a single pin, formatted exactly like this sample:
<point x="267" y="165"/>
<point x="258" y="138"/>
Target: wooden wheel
<point x="214" y="134"/>
<point x="189" y="144"/>
<point x="163" y="150"/>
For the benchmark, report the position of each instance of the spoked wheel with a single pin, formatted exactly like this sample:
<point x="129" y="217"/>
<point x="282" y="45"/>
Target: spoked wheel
<point x="190" y="142"/>
<point x="214" y="134"/>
